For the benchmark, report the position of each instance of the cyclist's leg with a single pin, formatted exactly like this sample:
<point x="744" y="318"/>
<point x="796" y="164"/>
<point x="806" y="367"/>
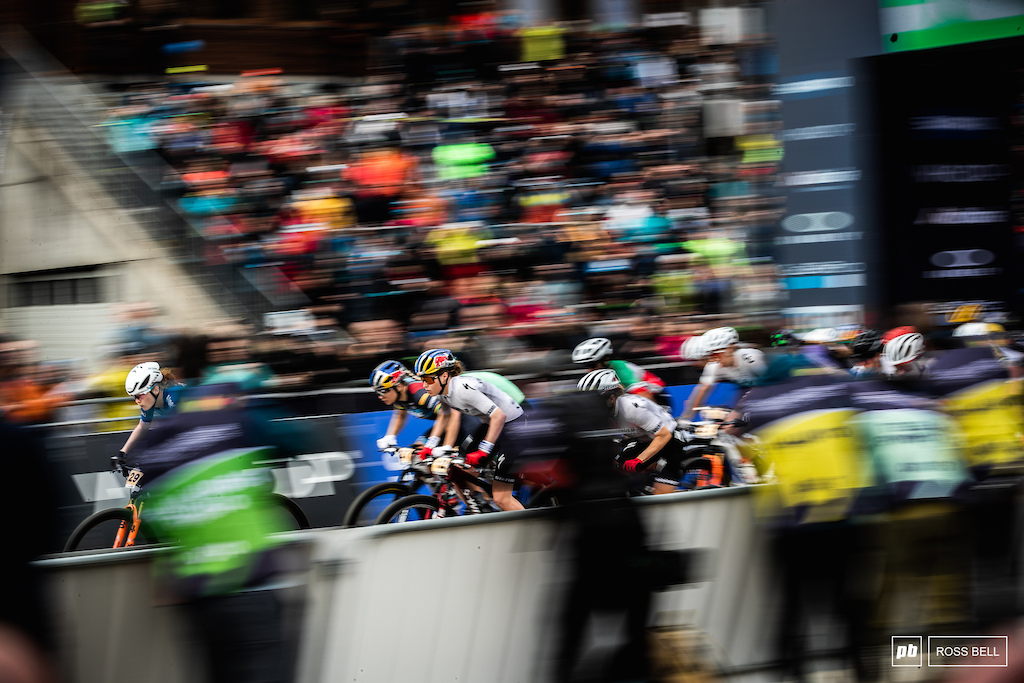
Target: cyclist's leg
<point x="505" y="455"/>
<point x="666" y="480"/>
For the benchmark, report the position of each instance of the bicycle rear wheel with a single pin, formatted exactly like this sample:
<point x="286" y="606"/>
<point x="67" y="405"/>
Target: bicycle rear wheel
<point x="410" y="509"/>
<point x="368" y="505"/>
<point x="98" y="531"/>
<point x="294" y="512"/>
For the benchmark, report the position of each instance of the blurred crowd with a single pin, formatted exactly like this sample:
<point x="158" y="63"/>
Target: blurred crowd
<point x="498" y="191"/>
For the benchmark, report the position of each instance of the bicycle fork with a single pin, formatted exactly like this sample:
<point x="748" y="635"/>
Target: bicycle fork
<point x="126" y="534"/>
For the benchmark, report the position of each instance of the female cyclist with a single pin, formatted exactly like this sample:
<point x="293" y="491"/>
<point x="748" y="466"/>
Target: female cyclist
<point x="396" y="387"/>
<point x="156" y="391"/>
<point x="649" y="427"/>
<point x="441" y="372"/>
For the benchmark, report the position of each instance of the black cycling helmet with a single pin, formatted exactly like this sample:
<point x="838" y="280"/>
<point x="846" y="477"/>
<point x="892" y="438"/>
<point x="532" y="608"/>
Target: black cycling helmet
<point x="867" y="344"/>
<point x="784" y="338"/>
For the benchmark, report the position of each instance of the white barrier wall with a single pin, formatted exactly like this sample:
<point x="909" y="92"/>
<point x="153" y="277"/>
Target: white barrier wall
<point x="463" y="600"/>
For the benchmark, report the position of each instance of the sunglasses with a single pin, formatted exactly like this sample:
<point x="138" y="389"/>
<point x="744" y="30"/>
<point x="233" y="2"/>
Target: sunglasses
<point x="429" y="379"/>
<point x="381" y="392"/>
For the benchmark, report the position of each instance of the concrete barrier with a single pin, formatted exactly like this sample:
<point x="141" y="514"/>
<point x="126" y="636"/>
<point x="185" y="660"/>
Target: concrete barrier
<point x="467" y="599"/>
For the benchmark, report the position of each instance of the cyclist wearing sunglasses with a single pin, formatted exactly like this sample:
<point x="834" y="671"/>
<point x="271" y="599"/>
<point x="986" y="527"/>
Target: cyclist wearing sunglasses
<point x="157" y="392"/>
<point x="396" y="387"/>
<point x="441" y="372"/>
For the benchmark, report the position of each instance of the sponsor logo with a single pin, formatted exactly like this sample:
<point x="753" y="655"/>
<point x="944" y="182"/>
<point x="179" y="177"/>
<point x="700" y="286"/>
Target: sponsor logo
<point x="962" y="258"/>
<point x="823" y="177"/>
<point x="821" y="221"/>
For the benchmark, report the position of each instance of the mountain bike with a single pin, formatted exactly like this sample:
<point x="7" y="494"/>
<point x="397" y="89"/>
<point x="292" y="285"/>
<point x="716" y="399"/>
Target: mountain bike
<point x="459" y="491"/>
<point x="126" y="528"/>
<point x="711" y="458"/>
<point x="415" y="476"/>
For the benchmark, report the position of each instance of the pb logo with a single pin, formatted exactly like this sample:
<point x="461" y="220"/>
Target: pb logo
<point x="906" y="651"/>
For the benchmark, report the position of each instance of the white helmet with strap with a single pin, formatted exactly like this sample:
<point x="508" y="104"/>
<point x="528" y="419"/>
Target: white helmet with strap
<point x="142" y="378"/>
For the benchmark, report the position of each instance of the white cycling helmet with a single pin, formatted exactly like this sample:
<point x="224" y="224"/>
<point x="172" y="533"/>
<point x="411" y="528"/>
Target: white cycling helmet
<point x="599" y="380"/>
<point x="750" y="363"/>
<point x="719" y="338"/>
<point x="591" y="350"/>
<point x="142" y="378"/>
<point x="904" y="348"/>
<point x="692" y="348"/>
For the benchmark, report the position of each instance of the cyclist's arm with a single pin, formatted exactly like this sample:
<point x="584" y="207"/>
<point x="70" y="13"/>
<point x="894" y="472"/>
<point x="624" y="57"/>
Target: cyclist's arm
<point x="440" y="423"/>
<point x="452" y="428"/>
<point x="136" y="434"/>
<point x="661" y="437"/>
<point x="397" y="422"/>
<point x="496" y="424"/>
<point x="696" y="399"/>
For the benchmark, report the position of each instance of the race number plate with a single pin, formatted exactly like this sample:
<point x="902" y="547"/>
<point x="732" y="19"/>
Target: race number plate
<point x="441" y="465"/>
<point x="705" y="430"/>
<point x="713" y="414"/>
<point x="132" y="480"/>
<point x="405" y="455"/>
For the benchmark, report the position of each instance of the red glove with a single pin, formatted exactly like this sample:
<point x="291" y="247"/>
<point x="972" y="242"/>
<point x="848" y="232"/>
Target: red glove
<point x="632" y="465"/>
<point x="425" y="453"/>
<point x="476" y="457"/>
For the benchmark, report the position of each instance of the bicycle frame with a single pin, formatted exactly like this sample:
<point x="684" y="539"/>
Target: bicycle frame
<point x="455" y="479"/>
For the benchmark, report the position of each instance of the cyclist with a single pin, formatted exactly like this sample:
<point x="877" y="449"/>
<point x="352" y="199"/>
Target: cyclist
<point x="728" y="362"/>
<point x="441" y="372"/>
<point x="651" y="428"/>
<point x="994" y="336"/>
<point x="396" y="387"/>
<point x="157" y="392"/>
<point x="866" y="350"/>
<point x="595" y="354"/>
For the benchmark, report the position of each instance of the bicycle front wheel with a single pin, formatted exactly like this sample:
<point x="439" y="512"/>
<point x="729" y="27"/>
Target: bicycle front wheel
<point x="99" y="530"/>
<point x="369" y="504"/>
<point x="410" y="509"/>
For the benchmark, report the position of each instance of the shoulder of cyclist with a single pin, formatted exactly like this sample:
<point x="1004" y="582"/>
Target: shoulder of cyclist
<point x="420" y="401"/>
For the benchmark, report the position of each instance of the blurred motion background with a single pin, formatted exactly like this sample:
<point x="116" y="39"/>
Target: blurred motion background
<point x="316" y="186"/>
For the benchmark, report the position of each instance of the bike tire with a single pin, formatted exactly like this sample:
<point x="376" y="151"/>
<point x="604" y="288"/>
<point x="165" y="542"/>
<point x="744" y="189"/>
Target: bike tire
<point x="292" y="508"/>
<point x="410" y="508"/>
<point x="547" y="497"/>
<point x="367" y="497"/>
<point x="91" y="528"/>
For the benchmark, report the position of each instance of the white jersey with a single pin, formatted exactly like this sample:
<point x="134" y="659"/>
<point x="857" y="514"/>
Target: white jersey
<point x="748" y="366"/>
<point x="639" y="415"/>
<point x="474" y="396"/>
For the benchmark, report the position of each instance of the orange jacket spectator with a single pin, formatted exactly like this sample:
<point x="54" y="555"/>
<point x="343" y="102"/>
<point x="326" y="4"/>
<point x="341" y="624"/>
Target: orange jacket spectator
<point x="382" y="173"/>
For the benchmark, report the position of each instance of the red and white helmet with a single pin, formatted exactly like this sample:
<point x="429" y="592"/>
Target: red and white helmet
<point x="904" y="348"/>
